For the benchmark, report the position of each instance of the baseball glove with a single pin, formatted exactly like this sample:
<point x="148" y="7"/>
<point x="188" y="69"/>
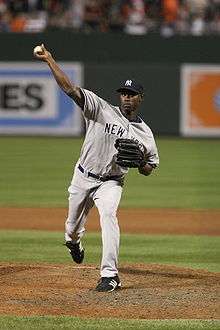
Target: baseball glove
<point x="129" y="153"/>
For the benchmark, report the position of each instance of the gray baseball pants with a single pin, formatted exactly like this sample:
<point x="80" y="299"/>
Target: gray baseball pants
<point x="84" y="192"/>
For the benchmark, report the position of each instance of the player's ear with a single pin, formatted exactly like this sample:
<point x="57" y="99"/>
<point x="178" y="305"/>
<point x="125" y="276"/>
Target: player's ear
<point x="141" y="96"/>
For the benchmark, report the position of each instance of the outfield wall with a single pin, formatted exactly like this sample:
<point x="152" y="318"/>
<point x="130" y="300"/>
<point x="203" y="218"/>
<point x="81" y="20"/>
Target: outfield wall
<point x="109" y="58"/>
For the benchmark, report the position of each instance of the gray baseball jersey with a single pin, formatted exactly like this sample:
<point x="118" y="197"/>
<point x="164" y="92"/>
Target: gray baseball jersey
<point x="104" y="124"/>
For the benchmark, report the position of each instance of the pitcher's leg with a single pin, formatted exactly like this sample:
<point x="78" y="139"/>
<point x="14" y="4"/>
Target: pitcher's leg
<point x="79" y="205"/>
<point x="107" y="199"/>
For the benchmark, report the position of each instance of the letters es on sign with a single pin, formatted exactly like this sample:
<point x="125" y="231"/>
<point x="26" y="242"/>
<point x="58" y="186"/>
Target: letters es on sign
<point x="20" y="96"/>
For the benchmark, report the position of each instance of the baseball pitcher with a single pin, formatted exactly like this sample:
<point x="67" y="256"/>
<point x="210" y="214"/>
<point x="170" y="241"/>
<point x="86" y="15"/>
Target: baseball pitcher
<point x="116" y="139"/>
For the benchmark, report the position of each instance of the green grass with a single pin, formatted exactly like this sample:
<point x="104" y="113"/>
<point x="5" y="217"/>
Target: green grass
<point x="37" y="172"/>
<point x="41" y="246"/>
<point x="186" y="178"/>
<point x="49" y="322"/>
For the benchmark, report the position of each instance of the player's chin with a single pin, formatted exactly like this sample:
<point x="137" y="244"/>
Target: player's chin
<point x="128" y="108"/>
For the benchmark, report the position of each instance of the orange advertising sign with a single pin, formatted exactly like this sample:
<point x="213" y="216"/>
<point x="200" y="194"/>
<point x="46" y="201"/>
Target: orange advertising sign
<point x="200" y="100"/>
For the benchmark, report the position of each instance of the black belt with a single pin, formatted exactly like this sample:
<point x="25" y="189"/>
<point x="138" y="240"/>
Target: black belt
<point x="98" y="177"/>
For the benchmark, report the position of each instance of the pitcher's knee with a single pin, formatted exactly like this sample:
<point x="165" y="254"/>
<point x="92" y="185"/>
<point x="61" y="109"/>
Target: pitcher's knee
<point x="108" y="214"/>
<point x="109" y="224"/>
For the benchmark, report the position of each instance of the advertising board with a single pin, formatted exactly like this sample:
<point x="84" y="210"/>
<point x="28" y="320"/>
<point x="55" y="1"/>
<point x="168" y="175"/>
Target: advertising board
<point x="200" y="100"/>
<point x="31" y="103"/>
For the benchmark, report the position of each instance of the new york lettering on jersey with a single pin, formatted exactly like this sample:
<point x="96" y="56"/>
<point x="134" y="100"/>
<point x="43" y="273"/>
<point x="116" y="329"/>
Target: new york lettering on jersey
<point x="114" y="129"/>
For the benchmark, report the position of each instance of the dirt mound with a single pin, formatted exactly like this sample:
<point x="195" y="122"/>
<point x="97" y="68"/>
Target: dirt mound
<point x="148" y="291"/>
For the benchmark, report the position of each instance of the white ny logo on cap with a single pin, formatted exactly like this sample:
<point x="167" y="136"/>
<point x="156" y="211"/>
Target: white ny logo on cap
<point x="128" y="83"/>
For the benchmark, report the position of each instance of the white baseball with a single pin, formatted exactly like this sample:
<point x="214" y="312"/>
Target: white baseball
<point x="37" y="50"/>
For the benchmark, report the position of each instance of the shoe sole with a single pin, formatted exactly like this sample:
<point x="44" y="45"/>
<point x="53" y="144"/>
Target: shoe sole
<point x="73" y="257"/>
<point x="77" y="261"/>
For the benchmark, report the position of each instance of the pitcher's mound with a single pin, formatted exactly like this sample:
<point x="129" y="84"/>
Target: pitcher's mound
<point x="148" y="291"/>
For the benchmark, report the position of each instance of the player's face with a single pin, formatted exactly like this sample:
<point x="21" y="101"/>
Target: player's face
<point x="130" y="101"/>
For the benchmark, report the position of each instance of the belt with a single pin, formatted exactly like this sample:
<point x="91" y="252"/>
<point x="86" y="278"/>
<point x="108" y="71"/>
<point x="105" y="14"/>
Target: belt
<point x="99" y="177"/>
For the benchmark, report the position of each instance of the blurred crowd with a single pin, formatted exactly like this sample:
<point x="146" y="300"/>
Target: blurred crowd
<point x="137" y="17"/>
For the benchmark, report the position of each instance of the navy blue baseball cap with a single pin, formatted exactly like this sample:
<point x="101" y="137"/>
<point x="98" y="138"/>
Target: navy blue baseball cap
<point x="131" y="85"/>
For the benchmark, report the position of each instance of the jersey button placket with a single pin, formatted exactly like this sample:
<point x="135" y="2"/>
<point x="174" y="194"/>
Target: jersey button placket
<point x="128" y="130"/>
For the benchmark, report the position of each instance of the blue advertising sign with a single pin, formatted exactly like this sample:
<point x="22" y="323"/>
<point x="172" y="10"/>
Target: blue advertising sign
<point x="31" y="102"/>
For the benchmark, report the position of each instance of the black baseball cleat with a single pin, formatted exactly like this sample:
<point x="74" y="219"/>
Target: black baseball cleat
<point x="108" y="284"/>
<point x="76" y="251"/>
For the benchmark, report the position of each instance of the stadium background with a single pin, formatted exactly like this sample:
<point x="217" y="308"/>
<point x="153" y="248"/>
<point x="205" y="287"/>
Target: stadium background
<point x="35" y="173"/>
<point x="109" y="58"/>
